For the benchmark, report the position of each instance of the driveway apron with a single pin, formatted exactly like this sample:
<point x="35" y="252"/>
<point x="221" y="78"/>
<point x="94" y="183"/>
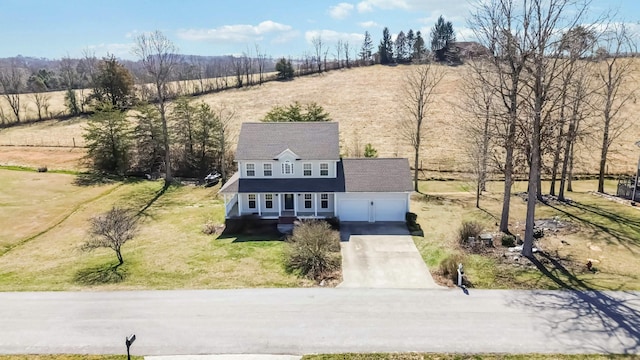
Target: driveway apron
<point x="384" y="261"/>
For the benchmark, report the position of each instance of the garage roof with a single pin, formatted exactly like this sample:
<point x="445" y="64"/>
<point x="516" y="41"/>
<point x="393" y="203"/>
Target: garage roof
<point x="377" y="175"/>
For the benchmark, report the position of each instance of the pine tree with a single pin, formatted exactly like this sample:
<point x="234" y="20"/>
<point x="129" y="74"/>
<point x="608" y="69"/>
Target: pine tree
<point x="385" y="49"/>
<point x="401" y="44"/>
<point x="442" y="39"/>
<point x="367" y="47"/>
<point x="419" y="50"/>
<point x="108" y="140"/>
<point x="411" y="39"/>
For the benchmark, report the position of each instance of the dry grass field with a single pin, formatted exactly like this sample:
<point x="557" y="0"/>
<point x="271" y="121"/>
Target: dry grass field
<point x="366" y="102"/>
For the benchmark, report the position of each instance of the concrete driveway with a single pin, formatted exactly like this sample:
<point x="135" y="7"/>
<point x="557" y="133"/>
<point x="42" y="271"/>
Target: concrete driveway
<point x="382" y="255"/>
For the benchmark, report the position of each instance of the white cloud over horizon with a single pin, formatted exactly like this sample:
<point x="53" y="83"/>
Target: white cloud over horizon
<point x="341" y="11"/>
<point x="331" y="36"/>
<point x="237" y="33"/>
<point x="369" y="24"/>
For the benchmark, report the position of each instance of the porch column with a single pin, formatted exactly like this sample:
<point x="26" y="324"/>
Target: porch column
<point x="295" y="204"/>
<point x="315" y="203"/>
<point x="258" y="196"/>
<point x="226" y="210"/>
<point x="239" y="204"/>
<point x="335" y="205"/>
<point x="279" y="204"/>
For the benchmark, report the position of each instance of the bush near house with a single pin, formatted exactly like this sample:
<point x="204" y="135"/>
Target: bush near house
<point x="412" y="224"/>
<point x="469" y="229"/>
<point x="313" y="250"/>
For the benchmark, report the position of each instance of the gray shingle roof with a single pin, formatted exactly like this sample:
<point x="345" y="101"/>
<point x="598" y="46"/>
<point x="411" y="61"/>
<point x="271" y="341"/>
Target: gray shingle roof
<point x="308" y="140"/>
<point x="377" y="175"/>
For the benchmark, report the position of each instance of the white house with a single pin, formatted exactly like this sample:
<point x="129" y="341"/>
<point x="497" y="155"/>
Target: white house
<point x="294" y="169"/>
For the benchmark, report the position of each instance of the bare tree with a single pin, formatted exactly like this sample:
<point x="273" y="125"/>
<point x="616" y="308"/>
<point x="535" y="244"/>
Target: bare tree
<point x="13" y="83"/>
<point x="41" y="100"/>
<point x="614" y="74"/>
<point x="347" y="50"/>
<point x="225" y="157"/>
<point x="479" y="108"/>
<point x="261" y="61"/>
<point x="419" y="88"/>
<point x="112" y="230"/>
<point x="495" y="26"/>
<point x="159" y="58"/>
<point x="318" y="47"/>
<point x="338" y="54"/>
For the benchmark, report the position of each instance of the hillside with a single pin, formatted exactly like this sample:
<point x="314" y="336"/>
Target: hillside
<point x="366" y="102"/>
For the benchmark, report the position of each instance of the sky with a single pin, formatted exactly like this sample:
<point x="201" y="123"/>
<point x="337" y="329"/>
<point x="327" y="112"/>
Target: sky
<point x="57" y="28"/>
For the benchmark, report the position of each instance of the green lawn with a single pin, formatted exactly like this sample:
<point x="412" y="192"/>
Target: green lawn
<point x="170" y="251"/>
<point x="604" y="231"/>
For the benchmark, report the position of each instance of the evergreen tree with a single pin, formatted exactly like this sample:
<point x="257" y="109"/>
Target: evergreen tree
<point x="284" y="69"/>
<point x="148" y="140"/>
<point x="401" y="46"/>
<point x="419" y="51"/>
<point x="295" y="113"/>
<point x="108" y="140"/>
<point x="411" y="39"/>
<point x="370" y="151"/>
<point x="113" y="84"/>
<point x="367" y="47"/>
<point x="442" y="39"/>
<point x="385" y="49"/>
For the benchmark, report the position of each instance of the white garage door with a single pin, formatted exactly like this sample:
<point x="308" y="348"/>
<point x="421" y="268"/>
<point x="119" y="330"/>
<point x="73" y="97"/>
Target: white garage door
<point x="390" y="209"/>
<point x="354" y="210"/>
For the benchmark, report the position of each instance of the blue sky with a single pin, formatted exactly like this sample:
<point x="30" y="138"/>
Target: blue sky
<point x="55" y="28"/>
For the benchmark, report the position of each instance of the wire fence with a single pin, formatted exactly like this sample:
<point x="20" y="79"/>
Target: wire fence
<point x="42" y="141"/>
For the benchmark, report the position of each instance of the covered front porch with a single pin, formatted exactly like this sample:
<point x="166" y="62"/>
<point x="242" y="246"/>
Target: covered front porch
<point x="276" y="205"/>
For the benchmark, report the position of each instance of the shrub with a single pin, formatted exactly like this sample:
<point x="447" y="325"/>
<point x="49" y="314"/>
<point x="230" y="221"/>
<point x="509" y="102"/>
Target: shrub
<point x="449" y="267"/>
<point x="412" y="225"/>
<point x="411" y="218"/>
<point x="508" y="240"/>
<point x="42" y="169"/>
<point x="209" y="227"/>
<point x="313" y="250"/>
<point x="467" y="230"/>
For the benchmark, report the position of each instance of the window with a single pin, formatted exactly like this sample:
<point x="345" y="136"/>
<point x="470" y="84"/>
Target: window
<point x="307" y="201"/>
<point x="324" y="169"/>
<point x="287" y="168"/>
<point x="252" y="201"/>
<point x="324" y="201"/>
<point x="251" y="169"/>
<point x="306" y="169"/>
<point x="266" y="168"/>
<point x="268" y="200"/>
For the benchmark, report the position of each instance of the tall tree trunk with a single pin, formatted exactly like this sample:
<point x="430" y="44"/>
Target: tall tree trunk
<point x="416" y="161"/>
<point x="165" y="137"/>
<point x="534" y="176"/>
<point x="570" y="175"/>
<point x="506" y="200"/>
<point x="603" y="157"/>
<point x="556" y="161"/>
<point x="565" y="159"/>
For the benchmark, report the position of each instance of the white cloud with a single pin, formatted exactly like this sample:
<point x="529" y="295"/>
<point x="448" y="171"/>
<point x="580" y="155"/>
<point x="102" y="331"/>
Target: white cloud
<point x="340" y="11"/>
<point x="449" y="7"/>
<point x="369" y="24"/>
<point x="331" y="36"/>
<point x="235" y="33"/>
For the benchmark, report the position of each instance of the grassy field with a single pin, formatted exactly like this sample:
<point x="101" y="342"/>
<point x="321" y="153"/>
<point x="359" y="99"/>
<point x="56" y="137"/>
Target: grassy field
<point x="41" y="239"/>
<point x="600" y="230"/>
<point x="366" y="102"/>
<point x="420" y="356"/>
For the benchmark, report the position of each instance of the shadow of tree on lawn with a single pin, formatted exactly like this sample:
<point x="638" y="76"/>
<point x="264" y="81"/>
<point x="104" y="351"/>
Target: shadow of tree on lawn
<point x="100" y="275"/>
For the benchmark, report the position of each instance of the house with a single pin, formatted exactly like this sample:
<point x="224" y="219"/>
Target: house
<point x="295" y="170"/>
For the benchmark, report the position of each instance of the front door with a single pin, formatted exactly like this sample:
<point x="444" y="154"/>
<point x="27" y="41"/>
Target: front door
<point x="288" y="201"/>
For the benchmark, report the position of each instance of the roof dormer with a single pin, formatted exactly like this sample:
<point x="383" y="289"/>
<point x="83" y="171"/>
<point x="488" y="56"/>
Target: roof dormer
<point x="287" y="154"/>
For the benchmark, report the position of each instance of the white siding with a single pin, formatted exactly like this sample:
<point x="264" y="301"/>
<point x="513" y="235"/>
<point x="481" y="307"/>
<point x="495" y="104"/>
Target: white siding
<point x="276" y="168"/>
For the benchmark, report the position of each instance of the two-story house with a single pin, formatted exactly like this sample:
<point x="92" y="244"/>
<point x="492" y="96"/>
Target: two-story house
<point x="295" y="170"/>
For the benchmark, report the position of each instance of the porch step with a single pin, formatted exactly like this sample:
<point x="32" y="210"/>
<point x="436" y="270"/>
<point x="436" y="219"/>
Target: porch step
<point x="287" y="219"/>
<point x="285" y="228"/>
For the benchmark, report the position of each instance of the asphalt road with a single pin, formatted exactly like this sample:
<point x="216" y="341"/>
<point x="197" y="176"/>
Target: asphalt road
<point x="297" y="321"/>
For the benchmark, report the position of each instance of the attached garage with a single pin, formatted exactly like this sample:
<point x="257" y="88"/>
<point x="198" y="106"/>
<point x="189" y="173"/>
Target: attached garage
<point x="372" y="207"/>
<point x="354" y="210"/>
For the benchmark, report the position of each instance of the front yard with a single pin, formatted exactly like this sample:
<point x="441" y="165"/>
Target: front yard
<point x="44" y="218"/>
<point x="599" y="230"/>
